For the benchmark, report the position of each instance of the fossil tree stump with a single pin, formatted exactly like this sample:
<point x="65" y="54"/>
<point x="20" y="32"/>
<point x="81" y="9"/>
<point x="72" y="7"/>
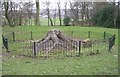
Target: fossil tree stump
<point x="53" y="38"/>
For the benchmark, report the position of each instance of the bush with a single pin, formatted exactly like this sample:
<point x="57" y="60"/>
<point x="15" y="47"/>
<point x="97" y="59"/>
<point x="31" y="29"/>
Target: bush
<point x="66" y="21"/>
<point x="105" y="16"/>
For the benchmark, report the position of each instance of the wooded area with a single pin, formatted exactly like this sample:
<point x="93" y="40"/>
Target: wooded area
<point x="105" y="14"/>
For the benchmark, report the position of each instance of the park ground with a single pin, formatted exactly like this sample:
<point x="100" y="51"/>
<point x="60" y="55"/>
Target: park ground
<point x="102" y="64"/>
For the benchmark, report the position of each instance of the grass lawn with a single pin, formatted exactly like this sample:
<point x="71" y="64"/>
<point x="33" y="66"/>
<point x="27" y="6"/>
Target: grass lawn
<point x="105" y="63"/>
<point x="44" y="21"/>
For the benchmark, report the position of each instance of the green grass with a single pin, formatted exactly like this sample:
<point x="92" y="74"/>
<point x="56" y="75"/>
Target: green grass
<point x="105" y="63"/>
<point x="39" y="32"/>
<point x="44" y="21"/>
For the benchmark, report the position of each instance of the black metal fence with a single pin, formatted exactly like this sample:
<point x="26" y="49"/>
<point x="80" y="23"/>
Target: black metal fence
<point x="5" y="42"/>
<point x="48" y="50"/>
<point x="35" y="49"/>
<point x="28" y="47"/>
<point x="111" y="41"/>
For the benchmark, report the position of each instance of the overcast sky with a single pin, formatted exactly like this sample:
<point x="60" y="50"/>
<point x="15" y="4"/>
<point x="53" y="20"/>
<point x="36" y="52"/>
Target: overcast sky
<point x="53" y="3"/>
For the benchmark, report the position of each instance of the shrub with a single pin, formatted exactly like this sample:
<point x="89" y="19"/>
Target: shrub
<point x="66" y="21"/>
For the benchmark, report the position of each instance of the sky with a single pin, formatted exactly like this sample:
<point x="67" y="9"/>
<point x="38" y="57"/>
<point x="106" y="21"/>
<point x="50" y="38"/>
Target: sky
<point x="53" y="3"/>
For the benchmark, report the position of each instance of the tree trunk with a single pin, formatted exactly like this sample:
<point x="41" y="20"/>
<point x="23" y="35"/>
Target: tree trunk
<point x="60" y="20"/>
<point x="65" y="9"/>
<point x="48" y="22"/>
<point x="59" y="11"/>
<point x="87" y="14"/>
<point x="37" y="13"/>
<point x="54" y="19"/>
<point x="48" y="15"/>
<point x="51" y="21"/>
<point x="29" y="22"/>
<point x="76" y="12"/>
<point x="83" y="11"/>
<point x="20" y="20"/>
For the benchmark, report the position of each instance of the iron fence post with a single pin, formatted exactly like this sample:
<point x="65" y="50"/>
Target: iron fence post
<point x="71" y="33"/>
<point x="79" y="47"/>
<point x="5" y="42"/>
<point x="89" y="34"/>
<point x="14" y="36"/>
<point x="34" y="51"/>
<point x="31" y="35"/>
<point x="109" y="44"/>
<point x="104" y="35"/>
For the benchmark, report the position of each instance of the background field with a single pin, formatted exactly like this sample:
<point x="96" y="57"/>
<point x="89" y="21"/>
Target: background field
<point x="44" y="21"/>
<point x="105" y="63"/>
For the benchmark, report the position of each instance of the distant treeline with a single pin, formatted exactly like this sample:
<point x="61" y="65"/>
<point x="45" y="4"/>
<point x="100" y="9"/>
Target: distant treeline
<point x="104" y="14"/>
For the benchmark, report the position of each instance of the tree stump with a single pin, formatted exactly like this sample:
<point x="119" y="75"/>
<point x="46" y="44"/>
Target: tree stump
<point x="54" y="38"/>
<point x="87" y="43"/>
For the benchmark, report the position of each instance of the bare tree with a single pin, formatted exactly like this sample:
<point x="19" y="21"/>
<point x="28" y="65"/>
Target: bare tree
<point x="16" y="13"/>
<point x="28" y="9"/>
<point x="66" y="9"/>
<point x="37" y="13"/>
<point x="90" y="14"/>
<point x="20" y="13"/>
<point x="54" y="18"/>
<point x="59" y="11"/>
<point x="48" y="13"/>
<point x="83" y="12"/>
<point x="13" y="13"/>
<point x="87" y="8"/>
<point x="51" y="21"/>
<point x="80" y="10"/>
<point x="7" y="13"/>
<point x="74" y="9"/>
<point x="87" y="13"/>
